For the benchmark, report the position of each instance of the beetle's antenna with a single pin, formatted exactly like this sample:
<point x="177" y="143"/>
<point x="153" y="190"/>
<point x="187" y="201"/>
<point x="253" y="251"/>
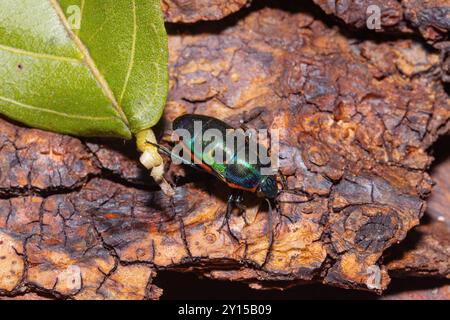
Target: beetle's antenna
<point x="284" y="185"/>
<point x="161" y="148"/>
<point x="168" y="152"/>
<point x="283" y="180"/>
<point x="308" y="197"/>
<point x="293" y="191"/>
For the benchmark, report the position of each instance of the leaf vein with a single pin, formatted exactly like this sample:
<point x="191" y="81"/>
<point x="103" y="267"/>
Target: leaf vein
<point x="39" y="55"/>
<point x="58" y="113"/>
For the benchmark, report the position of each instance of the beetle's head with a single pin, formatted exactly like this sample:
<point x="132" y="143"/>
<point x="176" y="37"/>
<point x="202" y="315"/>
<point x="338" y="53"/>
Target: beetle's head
<point x="267" y="188"/>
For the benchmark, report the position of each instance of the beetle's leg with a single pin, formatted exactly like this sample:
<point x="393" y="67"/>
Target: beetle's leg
<point x="270" y="227"/>
<point x="238" y="201"/>
<point x="239" y="198"/>
<point x="226" y="218"/>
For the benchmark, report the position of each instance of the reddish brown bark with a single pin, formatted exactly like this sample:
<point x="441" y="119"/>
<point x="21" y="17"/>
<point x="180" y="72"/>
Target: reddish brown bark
<point x="189" y="11"/>
<point x="430" y="19"/>
<point x="81" y="219"/>
<point x="426" y="251"/>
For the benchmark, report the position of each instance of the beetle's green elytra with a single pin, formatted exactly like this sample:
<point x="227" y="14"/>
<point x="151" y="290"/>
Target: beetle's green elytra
<point x="234" y="169"/>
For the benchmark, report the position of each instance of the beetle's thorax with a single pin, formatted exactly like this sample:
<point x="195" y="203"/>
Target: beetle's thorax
<point x="268" y="187"/>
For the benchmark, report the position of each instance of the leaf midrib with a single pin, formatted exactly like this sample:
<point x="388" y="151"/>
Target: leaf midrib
<point x="132" y="53"/>
<point x="89" y="61"/>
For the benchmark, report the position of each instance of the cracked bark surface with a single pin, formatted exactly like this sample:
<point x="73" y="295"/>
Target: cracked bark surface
<point x="189" y="11"/>
<point x="430" y="19"/>
<point x="81" y="219"/>
<point x="426" y="251"/>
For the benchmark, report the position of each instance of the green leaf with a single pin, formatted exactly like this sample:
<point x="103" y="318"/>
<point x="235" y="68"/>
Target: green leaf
<point x="83" y="67"/>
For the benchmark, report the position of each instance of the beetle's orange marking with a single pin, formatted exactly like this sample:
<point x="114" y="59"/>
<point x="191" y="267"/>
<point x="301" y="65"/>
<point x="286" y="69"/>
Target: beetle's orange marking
<point x="205" y="167"/>
<point x="236" y="186"/>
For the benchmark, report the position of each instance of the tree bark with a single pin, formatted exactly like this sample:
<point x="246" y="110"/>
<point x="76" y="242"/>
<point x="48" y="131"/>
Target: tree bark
<point x="190" y="11"/>
<point x="81" y="219"/>
<point x="426" y="250"/>
<point x="430" y="19"/>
